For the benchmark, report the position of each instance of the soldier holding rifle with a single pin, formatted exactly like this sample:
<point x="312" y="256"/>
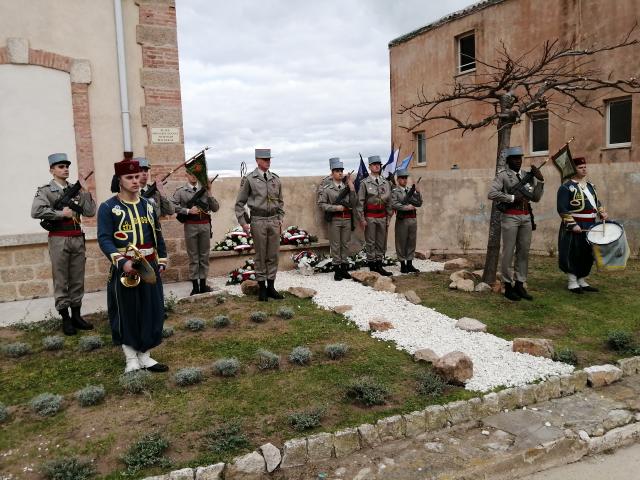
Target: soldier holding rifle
<point x="338" y="199"/>
<point x="405" y="200"/>
<point x="60" y="206"/>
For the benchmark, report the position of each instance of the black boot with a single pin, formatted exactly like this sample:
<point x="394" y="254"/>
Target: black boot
<point x="373" y="266"/>
<point x="520" y="290"/>
<point x="204" y="288"/>
<point x="67" y="324"/>
<point x="344" y="268"/>
<point x="411" y="268"/>
<point x="337" y="272"/>
<point x="382" y="271"/>
<point x="195" y="290"/>
<point x="272" y="292"/>
<point x="403" y="267"/>
<point x="79" y="322"/>
<point x="262" y="292"/>
<point x="510" y="293"/>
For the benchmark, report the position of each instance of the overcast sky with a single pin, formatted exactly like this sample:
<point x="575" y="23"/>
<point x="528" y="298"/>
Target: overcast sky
<point x="310" y="80"/>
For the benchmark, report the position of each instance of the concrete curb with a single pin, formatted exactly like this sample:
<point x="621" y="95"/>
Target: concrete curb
<point x="298" y="452"/>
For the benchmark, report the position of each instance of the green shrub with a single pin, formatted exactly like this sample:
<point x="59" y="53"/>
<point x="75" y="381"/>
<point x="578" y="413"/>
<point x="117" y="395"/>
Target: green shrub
<point x="336" y="350"/>
<point x="286" y="313"/>
<point x="16" y="350"/>
<point x="566" y="355"/>
<point x="195" y="324"/>
<point x="167" y="332"/>
<point x="227" y="367"/>
<point x="53" y="342"/>
<point x="68" y="468"/>
<point x="170" y="303"/>
<point x="92" y="342"/>
<point x="300" y="356"/>
<point x="4" y="412"/>
<point x="189" y="376"/>
<point x="46" y="404"/>
<point x="620" y="340"/>
<point x="90" y="395"/>
<point x="258" y="317"/>
<point x="367" y="391"/>
<point x="50" y="323"/>
<point x="267" y="360"/>
<point x="430" y="384"/>
<point x="221" y="321"/>
<point x="147" y="452"/>
<point x="226" y="439"/>
<point x="135" y="382"/>
<point x="307" y="419"/>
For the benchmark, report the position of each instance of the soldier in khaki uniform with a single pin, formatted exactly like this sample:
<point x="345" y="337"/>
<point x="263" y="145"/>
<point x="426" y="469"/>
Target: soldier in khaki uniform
<point x="66" y="241"/>
<point x="374" y="212"/>
<point x="338" y="206"/>
<point x="516" y="221"/>
<point x="197" y="230"/>
<point x="404" y="202"/>
<point x="154" y="192"/>
<point x="261" y="191"/>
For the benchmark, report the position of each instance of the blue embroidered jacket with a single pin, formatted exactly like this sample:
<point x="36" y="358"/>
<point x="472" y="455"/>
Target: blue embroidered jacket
<point x="575" y="207"/>
<point x="121" y="223"/>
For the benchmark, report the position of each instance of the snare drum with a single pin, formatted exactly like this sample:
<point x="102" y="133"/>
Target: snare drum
<point x="610" y="247"/>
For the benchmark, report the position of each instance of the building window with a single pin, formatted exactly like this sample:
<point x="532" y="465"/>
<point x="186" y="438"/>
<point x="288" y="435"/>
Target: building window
<point x="421" y="148"/>
<point x="466" y="52"/>
<point x="539" y="132"/>
<point x="619" y="123"/>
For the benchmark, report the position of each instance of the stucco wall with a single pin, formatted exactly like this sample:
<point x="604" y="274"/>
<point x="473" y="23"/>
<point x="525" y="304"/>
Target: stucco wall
<point x="80" y="29"/>
<point x="428" y="62"/>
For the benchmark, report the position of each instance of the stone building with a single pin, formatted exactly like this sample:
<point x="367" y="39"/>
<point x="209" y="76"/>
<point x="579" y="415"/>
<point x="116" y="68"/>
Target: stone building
<point x="457" y="169"/>
<point x="66" y="86"/>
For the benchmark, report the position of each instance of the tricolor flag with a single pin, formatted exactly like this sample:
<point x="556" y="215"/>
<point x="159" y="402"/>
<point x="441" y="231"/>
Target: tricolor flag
<point x="405" y="163"/>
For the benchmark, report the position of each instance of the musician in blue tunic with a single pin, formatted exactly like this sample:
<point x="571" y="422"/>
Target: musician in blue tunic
<point x="136" y="313"/>
<point x="578" y="207"/>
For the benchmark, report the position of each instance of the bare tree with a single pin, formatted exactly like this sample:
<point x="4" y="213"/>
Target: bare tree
<point x="557" y="77"/>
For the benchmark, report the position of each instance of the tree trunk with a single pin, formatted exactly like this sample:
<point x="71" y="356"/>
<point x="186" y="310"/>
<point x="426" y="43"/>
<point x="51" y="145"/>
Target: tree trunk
<point x="493" y="242"/>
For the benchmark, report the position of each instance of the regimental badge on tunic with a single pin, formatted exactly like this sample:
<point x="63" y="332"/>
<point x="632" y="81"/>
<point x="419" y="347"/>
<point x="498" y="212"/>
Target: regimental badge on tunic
<point x="117" y="210"/>
<point x="572" y="189"/>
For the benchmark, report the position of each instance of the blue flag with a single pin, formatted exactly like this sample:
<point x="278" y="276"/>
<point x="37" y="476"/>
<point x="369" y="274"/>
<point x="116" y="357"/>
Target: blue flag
<point x="405" y="163"/>
<point x="362" y="174"/>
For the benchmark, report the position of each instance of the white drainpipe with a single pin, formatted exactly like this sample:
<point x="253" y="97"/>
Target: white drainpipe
<point x="122" y="76"/>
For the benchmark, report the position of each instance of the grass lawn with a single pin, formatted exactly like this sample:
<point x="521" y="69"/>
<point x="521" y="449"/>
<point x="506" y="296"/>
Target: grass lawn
<point x="577" y="322"/>
<point x="260" y="400"/>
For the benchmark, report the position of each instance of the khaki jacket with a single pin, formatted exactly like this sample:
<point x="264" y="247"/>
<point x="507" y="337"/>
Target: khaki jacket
<point x="399" y="194"/>
<point x="374" y="193"/>
<point x="46" y="197"/>
<point x="263" y="197"/>
<point x="162" y="204"/>
<point x="328" y="195"/>
<point x="185" y="193"/>
<point x="505" y="179"/>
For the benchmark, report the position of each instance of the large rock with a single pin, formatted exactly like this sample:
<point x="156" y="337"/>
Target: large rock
<point x="379" y="325"/>
<point x="302" y="292"/>
<point x="483" y="287"/>
<point x="454" y="367"/>
<point x="384" y="284"/>
<point x="342" y="309"/>
<point x="183" y="474"/>
<point x="272" y="456"/>
<point x="249" y="287"/>
<point x="461" y="275"/>
<point x="412" y="297"/>
<point x="320" y="446"/>
<point x="249" y="464"/>
<point x="425" y="355"/>
<point x="422" y="255"/>
<point x="538" y="347"/>
<point x="346" y="441"/>
<point x="457" y="264"/>
<point x="365" y="277"/>
<point x="463" y="285"/>
<point x="471" y="325"/>
<point x="212" y="472"/>
<point x="294" y="453"/>
<point x="601" y="375"/>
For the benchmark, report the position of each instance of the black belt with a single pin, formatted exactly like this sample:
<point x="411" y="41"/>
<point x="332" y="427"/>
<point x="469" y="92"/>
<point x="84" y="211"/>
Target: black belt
<point x="257" y="212"/>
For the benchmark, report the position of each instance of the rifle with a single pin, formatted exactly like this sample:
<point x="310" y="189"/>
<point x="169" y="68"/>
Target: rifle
<point x="196" y="201"/>
<point x="408" y="198"/>
<point x="66" y="200"/>
<point x="154" y="188"/>
<point x="342" y="199"/>
<point x="519" y="188"/>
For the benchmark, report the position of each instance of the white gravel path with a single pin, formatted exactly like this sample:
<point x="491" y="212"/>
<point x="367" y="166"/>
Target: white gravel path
<point x="417" y="327"/>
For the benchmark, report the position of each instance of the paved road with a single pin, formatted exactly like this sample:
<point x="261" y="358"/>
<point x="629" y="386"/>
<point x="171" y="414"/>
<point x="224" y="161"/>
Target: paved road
<point x="623" y="464"/>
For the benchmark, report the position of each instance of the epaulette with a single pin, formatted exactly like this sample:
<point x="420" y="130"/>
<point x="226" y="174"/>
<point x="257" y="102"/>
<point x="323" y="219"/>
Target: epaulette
<point x="275" y="175"/>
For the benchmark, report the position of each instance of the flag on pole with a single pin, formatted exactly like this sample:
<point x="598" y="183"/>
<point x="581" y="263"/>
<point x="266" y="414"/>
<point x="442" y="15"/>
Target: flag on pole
<point x="362" y="174"/>
<point x="564" y="162"/>
<point x="389" y="168"/>
<point x="198" y="168"/>
<point x="405" y="162"/>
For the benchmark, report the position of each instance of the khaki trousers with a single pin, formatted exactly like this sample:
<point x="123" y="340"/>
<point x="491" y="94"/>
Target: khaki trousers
<point x="375" y="236"/>
<point x="266" y="242"/>
<point x="406" y="236"/>
<point x="198" y="242"/>
<point x="67" y="269"/>
<point x="516" y="238"/>
<point x="339" y="238"/>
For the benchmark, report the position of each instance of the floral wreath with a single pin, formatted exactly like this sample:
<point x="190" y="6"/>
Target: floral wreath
<point x="235" y="240"/>
<point x="239" y="275"/>
<point x="354" y="262"/>
<point x="293" y="235"/>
